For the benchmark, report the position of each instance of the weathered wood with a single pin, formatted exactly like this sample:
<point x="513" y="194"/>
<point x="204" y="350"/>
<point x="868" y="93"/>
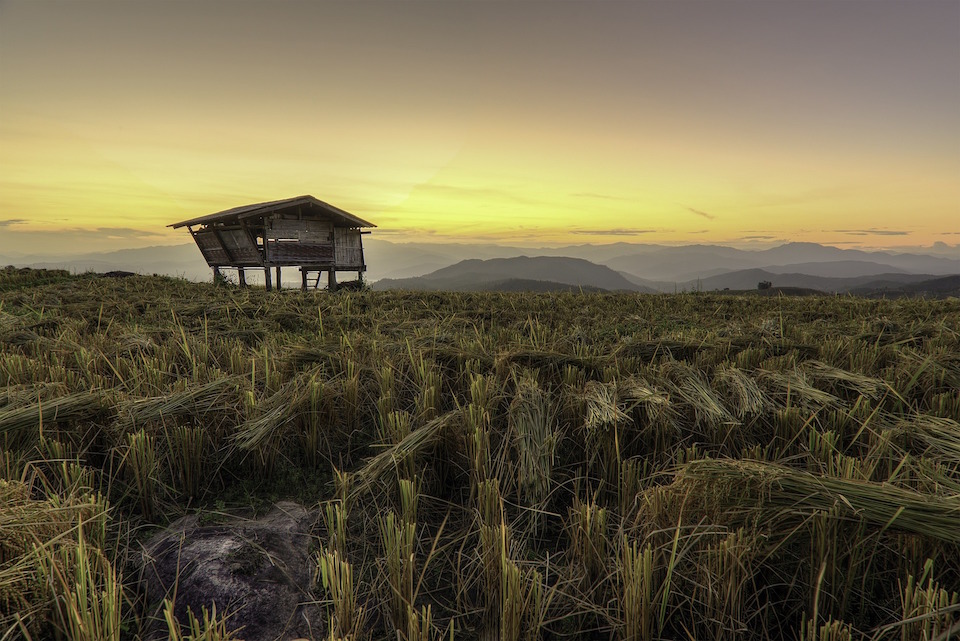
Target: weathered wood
<point x="304" y="231"/>
<point x="211" y="248"/>
<point x="238" y="244"/>
<point x="226" y="250"/>
<point x="216" y="274"/>
<point x="294" y="253"/>
<point x="278" y="277"/>
<point x="266" y="276"/>
<point x="252" y="239"/>
<point x="242" y="277"/>
<point x="349" y="250"/>
<point x="332" y="280"/>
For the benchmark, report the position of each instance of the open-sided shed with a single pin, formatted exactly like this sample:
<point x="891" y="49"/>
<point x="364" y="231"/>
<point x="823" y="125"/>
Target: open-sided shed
<point x="303" y="232"/>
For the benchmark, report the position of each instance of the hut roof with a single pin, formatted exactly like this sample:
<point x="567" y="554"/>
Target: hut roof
<point x="237" y="214"/>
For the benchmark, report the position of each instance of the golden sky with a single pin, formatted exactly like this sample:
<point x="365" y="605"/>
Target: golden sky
<point x="512" y="122"/>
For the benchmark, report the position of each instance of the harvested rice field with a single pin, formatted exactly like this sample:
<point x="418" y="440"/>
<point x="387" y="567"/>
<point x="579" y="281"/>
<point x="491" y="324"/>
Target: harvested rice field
<point x="482" y="465"/>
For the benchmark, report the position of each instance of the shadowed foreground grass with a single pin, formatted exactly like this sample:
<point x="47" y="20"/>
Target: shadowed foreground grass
<point x="516" y="465"/>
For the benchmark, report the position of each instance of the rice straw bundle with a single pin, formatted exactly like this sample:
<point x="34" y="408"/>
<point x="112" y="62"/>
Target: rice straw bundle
<point x="78" y="406"/>
<point x="384" y="464"/>
<point x="217" y="396"/>
<point x="766" y="486"/>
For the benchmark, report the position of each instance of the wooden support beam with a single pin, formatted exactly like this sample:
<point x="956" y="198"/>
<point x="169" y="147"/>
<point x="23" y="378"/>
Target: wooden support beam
<point x="226" y="250"/>
<point x="241" y="274"/>
<point x="266" y="276"/>
<point x="303" y="278"/>
<point x="332" y="280"/>
<point x="253" y="239"/>
<point x="277" y="268"/>
<point x="216" y="274"/>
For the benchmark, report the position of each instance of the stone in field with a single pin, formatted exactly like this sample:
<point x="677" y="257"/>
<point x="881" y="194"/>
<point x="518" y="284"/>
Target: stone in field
<point x="257" y="571"/>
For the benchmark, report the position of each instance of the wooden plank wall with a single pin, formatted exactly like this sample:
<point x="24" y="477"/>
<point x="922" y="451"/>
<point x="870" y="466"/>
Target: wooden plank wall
<point x="305" y="231"/>
<point x="349" y="252"/>
<point x="238" y="244"/>
<point x="226" y="247"/>
<point x="297" y="242"/>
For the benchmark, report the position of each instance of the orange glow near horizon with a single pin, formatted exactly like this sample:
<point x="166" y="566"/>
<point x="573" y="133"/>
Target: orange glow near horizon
<point x="485" y="133"/>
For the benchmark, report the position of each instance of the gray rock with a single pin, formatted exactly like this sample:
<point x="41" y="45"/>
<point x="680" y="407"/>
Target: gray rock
<point x="257" y="571"/>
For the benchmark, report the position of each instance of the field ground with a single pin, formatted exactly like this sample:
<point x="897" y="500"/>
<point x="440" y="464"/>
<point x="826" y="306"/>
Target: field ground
<point x="520" y="466"/>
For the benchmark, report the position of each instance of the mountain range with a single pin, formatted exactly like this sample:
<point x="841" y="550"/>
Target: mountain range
<point x="552" y="272"/>
<point x="614" y="267"/>
<point x="546" y="273"/>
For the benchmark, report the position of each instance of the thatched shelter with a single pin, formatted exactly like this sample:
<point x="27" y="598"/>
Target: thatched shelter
<point x="300" y="232"/>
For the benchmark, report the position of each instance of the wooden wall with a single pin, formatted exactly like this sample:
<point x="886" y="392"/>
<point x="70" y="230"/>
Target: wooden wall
<point x="292" y="241"/>
<point x="227" y="247"/>
<point x="349" y="251"/>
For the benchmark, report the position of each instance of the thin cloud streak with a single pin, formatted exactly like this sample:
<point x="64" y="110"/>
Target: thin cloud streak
<point x="405" y="232"/>
<point x="612" y="232"/>
<point x="125" y="231"/>
<point x="701" y="213"/>
<point x="115" y="232"/>
<point x="872" y="232"/>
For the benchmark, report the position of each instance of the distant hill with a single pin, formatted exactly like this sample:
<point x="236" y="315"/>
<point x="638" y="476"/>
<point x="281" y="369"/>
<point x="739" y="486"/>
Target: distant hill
<point x="499" y="273"/>
<point x="647" y="285"/>
<point x="749" y="278"/>
<point x="508" y="285"/>
<point x="684" y="263"/>
<point x="794" y="253"/>
<point x="942" y="287"/>
<point x="171" y="260"/>
<point x="836" y="268"/>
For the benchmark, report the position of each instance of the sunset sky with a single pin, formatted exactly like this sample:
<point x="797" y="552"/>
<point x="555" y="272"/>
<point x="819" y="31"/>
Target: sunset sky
<point x="515" y="122"/>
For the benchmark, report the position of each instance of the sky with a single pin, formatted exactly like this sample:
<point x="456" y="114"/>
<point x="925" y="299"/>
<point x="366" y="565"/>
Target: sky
<point x="523" y="123"/>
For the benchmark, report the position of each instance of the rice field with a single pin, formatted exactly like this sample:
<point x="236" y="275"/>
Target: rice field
<point x="482" y="465"/>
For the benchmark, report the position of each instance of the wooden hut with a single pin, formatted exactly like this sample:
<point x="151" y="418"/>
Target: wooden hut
<point x="299" y="232"/>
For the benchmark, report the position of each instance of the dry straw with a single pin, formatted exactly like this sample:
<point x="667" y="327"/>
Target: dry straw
<point x="752" y="486"/>
<point x="385" y="464"/>
<point x="214" y="398"/>
<point x="70" y="408"/>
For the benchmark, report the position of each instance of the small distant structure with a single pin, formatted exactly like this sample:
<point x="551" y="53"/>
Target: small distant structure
<point x="299" y="232"/>
<point x="764" y="284"/>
